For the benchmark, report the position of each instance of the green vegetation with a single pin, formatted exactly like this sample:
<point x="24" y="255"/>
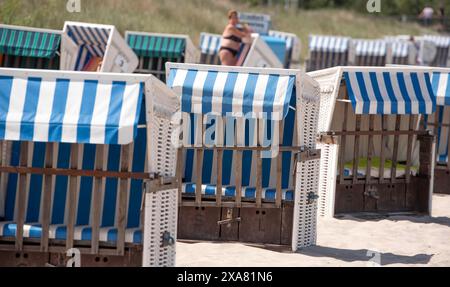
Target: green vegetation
<point x="195" y="16"/>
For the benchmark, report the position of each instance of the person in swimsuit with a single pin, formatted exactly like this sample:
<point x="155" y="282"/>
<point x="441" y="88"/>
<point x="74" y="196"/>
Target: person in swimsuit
<point x="231" y="40"/>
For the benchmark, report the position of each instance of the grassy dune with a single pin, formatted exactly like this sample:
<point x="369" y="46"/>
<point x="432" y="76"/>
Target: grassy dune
<point x="194" y="16"/>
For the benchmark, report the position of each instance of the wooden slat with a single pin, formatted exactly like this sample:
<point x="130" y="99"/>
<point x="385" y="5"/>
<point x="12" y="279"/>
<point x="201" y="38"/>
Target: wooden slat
<point x="409" y="150"/>
<point x="237" y="158"/>
<point x="199" y="129"/>
<point x="21" y="196"/>
<point x="437" y="125"/>
<point x="279" y="195"/>
<point x="219" y="177"/>
<point x="356" y="150"/>
<point x="343" y="145"/>
<point x="96" y="200"/>
<point x="47" y="197"/>
<point x="370" y="149"/>
<point x="123" y="192"/>
<point x="395" y="150"/>
<point x="73" y="192"/>
<point x="258" y="179"/>
<point x="384" y="121"/>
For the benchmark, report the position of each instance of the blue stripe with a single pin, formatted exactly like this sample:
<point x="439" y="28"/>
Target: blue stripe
<point x="290" y="93"/>
<point x="227" y="100"/>
<point x="5" y="94"/>
<point x="29" y="109"/>
<point x="418" y="92"/>
<point x="114" y="111"/>
<point x="267" y="162"/>
<point x="34" y="196"/>
<point x="376" y="90"/>
<point x="447" y="91"/>
<point x="186" y="97"/>
<point x="439" y="133"/>
<point x="208" y="92"/>
<point x="249" y="93"/>
<point x="171" y="79"/>
<point x="364" y="94"/>
<point x="86" y="111"/>
<point x="430" y="92"/>
<point x="208" y="156"/>
<point x="11" y="188"/>
<point x="84" y="199"/>
<point x="109" y="202"/>
<point x="189" y="163"/>
<point x="390" y="92"/>
<point x="351" y="94"/>
<point x="269" y="95"/>
<point x="228" y="154"/>
<point x="139" y="154"/>
<point x="288" y="140"/>
<point x="61" y="183"/>
<point x="406" y="97"/>
<point x="247" y="156"/>
<point x="58" y="110"/>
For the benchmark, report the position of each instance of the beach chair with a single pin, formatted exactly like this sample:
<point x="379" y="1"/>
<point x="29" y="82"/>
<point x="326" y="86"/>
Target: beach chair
<point x="247" y="163"/>
<point x="376" y="157"/>
<point x="209" y="48"/>
<point x="327" y="51"/>
<point x="88" y="169"/>
<point x="370" y="52"/>
<point x="33" y="48"/>
<point x="99" y="48"/>
<point x="439" y="123"/>
<point x="259" y="23"/>
<point x="154" y="50"/>
<point x="404" y="52"/>
<point x="293" y="47"/>
<point x="442" y="58"/>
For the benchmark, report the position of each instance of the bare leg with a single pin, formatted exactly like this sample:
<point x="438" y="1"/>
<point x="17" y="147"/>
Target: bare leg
<point x="227" y="58"/>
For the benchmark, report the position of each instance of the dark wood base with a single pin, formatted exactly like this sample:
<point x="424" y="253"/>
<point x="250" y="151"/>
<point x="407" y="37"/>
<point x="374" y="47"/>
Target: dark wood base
<point x="383" y="198"/>
<point x="250" y="225"/>
<point x="132" y="258"/>
<point x="442" y="181"/>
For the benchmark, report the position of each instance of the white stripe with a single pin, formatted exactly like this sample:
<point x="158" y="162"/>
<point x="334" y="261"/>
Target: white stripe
<point x="72" y="112"/>
<point x="128" y="113"/>
<point x="15" y="111"/>
<point x="260" y="89"/>
<point x="387" y="106"/>
<point x="280" y="97"/>
<point x="355" y="87"/>
<point x="100" y="113"/>
<point x="411" y="93"/>
<point x="398" y="95"/>
<point x="44" y="111"/>
<point x="218" y="88"/>
<point x="178" y="81"/>
<point x="442" y="89"/>
<point x="370" y="93"/>
<point x="197" y="92"/>
<point x="238" y="94"/>
<point x="426" y="95"/>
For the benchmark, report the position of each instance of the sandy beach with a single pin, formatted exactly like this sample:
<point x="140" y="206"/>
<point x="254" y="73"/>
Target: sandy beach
<point x="395" y="241"/>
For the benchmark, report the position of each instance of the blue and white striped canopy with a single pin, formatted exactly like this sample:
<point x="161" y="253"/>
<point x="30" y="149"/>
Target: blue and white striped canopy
<point x="233" y="94"/>
<point x="387" y="92"/>
<point x="401" y="49"/>
<point x="94" y="39"/>
<point x="210" y="43"/>
<point x="336" y="44"/>
<point x="441" y="88"/>
<point x="439" y="41"/>
<point x="59" y="109"/>
<point x="365" y="47"/>
<point x="290" y="39"/>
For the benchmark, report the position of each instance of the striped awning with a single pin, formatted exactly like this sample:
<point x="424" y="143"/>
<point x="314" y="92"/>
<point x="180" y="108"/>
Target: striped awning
<point x="260" y="23"/>
<point x="94" y="39"/>
<point x="365" y="47"/>
<point x="232" y="94"/>
<point x="290" y="39"/>
<point x="157" y="46"/>
<point x="210" y="43"/>
<point x="439" y="41"/>
<point x="441" y="88"/>
<point x="401" y="49"/>
<point x="336" y="44"/>
<point x="53" y="109"/>
<point x="24" y="43"/>
<point x="390" y="92"/>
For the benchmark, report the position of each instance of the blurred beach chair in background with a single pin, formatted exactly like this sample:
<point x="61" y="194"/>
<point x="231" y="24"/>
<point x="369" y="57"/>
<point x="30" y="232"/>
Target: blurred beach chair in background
<point x="327" y="51"/>
<point x="442" y="58"/>
<point x="89" y="165"/>
<point x="248" y="168"/>
<point x="99" y="48"/>
<point x="155" y="49"/>
<point x="293" y="48"/>
<point x="370" y="52"/>
<point x="376" y="157"/>
<point x="33" y="48"/>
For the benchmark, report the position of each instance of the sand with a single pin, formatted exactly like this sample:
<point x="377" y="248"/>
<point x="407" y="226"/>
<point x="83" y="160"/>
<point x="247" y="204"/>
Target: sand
<point x="396" y="241"/>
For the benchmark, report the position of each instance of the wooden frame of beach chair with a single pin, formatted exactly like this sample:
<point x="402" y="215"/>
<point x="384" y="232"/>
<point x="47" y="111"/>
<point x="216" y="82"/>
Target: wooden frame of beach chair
<point x="327" y="51"/>
<point x="261" y="200"/>
<point x="78" y="175"/>
<point x="154" y="50"/>
<point x="370" y="52"/>
<point x="376" y="157"/>
<point x="34" y="48"/>
<point x="99" y="48"/>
